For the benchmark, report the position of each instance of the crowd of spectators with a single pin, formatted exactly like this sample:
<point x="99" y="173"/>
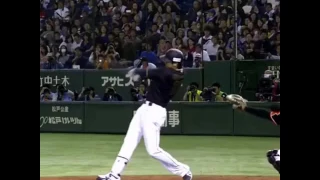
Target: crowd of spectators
<point x="107" y="34"/>
<point x="61" y="93"/>
<point x="193" y="93"/>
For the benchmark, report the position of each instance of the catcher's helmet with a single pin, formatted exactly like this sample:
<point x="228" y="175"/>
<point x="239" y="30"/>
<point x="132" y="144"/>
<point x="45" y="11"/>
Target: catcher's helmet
<point x="174" y="56"/>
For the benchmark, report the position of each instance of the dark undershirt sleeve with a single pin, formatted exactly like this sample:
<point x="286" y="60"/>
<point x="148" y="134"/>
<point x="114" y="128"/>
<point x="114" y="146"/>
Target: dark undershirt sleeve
<point x="149" y="73"/>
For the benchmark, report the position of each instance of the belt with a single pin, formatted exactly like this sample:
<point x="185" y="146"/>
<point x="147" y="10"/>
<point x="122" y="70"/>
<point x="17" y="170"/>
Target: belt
<point x="147" y="103"/>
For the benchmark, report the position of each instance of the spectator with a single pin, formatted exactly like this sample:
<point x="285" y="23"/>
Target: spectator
<point x="77" y="61"/>
<point x="63" y="56"/>
<point x="103" y="37"/>
<point x="136" y="40"/>
<point x="219" y="95"/>
<point x="89" y="8"/>
<point x="78" y="26"/>
<point x="88" y="94"/>
<point x="177" y="21"/>
<point x="111" y="95"/>
<point x="62" y="94"/>
<point x="120" y="7"/>
<point x="114" y="34"/>
<point x="213" y="93"/>
<point x="117" y="47"/>
<point x="126" y="29"/>
<point x="166" y="32"/>
<point x="195" y="12"/>
<point x="276" y="55"/>
<point x="68" y="43"/>
<point x="178" y="43"/>
<point x="181" y="37"/>
<point x="136" y="26"/>
<point x="48" y="33"/>
<point x="262" y="45"/>
<point x="191" y="45"/>
<point x="203" y="55"/>
<point x="130" y="48"/>
<point x="139" y="94"/>
<point x="54" y="51"/>
<point x="230" y="52"/>
<point x="207" y="44"/>
<point x="145" y="64"/>
<point x="62" y="13"/>
<point x="249" y="52"/>
<point x="135" y="10"/>
<point x="186" y="27"/>
<point x="45" y="94"/>
<point x="110" y="6"/>
<point x="86" y="44"/>
<point x="111" y="52"/>
<point x="77" y="41"/>
<point x="57" y="38"/>
<point x="188" y="57"/>
<point x="51" y="63"/>
<point x="275" y="39"/>
<point x="74" y="10"/>
<point x="155" y="36"/>
<point x="149" y="9"/>
<point x="171" y="6"/>
<point x="221" y="54"/>
<point x="43" y="53"/>
<point x="192" y="94"/>
<point x="159" y="22"/>
<point x="112" y="57"/>
<point x="43" y="41"/>
<point x="85" y="18"/>
<point x="149" y="54"/>
<point x="101" y="62"/>
<point x="163" y="46"/>
<point x="95" y="53"/>
<point x="208" y="5"/>
<point x="215" y="48"/>
<point x="158" y="14"/>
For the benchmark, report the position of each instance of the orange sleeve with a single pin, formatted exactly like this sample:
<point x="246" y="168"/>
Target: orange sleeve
<point x="105" y="65"/>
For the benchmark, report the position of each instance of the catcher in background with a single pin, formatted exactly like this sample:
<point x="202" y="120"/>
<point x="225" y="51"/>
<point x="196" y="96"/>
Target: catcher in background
<point x="273" y="115"/>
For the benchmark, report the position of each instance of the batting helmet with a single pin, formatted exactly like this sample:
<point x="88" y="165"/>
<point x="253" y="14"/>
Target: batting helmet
<point x="175" y="56"/>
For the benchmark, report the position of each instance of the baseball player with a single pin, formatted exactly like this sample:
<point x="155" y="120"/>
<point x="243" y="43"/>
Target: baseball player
<point x="273" y="116"/>
<point x="150" y="116"/>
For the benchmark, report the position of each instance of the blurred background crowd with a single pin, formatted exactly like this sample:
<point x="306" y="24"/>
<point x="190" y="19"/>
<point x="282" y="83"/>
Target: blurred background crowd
<point x="106" y="34"/>
<point x="110" y="34"/>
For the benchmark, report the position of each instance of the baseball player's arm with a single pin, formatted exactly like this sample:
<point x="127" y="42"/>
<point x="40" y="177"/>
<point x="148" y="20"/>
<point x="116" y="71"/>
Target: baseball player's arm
<point x="177" y="81"/>
<point x="269" y="115"/>
<point x="149" y="73"/>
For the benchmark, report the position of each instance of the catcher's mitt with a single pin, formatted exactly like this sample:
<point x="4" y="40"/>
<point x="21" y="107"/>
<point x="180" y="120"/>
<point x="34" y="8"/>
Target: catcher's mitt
<point x="237" y="101"/>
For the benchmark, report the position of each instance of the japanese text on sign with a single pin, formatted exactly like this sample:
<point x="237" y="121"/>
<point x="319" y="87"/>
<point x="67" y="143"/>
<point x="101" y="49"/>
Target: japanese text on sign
<point x="59" y="120"/>
<point x="275" y="70"/>
<point x="60" y="109"/>
<point x="172" y="121"/>
<point x="54" y="80"/>
<point x="116" y="81"/>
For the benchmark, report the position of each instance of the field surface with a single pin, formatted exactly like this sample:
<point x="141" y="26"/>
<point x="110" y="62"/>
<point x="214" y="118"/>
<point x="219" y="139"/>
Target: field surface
<point x="83" y="156"/>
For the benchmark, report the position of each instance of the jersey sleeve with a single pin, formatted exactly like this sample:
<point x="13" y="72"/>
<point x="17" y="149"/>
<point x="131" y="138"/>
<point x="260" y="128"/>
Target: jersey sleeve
<point x="177" y="79"/>
<point x="149" y="73"/>
<point x="271" y="116"/>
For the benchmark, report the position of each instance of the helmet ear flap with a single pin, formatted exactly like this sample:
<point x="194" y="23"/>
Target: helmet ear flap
<point x="177" y="65"/>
